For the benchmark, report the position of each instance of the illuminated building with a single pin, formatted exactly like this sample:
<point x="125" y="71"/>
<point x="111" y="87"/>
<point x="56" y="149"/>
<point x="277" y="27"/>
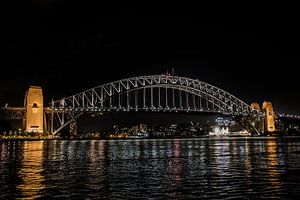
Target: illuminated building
<point x="269" y="116"/>
<point x="34" y="110"/>
<point x="220" y="121"/>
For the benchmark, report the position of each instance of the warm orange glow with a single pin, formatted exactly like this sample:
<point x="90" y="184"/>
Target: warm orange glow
<point x="31" y="169"/>
<point x="273" y="164"/>
<point x="255" y="106"/>
<point x="270" y="118"/>
<point x="34" y="110"/>
<point x="120" y="135"/>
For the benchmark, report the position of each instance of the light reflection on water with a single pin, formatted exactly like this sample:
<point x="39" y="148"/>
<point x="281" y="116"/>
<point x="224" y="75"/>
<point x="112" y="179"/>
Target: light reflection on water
<point x="173" y="168"/>
<point x="31" y="169"/>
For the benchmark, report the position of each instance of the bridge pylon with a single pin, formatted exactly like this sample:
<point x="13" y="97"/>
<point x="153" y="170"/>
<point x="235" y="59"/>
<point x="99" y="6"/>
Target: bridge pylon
<point x="34" y="110"/>
<point x="269" y="116"/>
<point x="265" y="122"/>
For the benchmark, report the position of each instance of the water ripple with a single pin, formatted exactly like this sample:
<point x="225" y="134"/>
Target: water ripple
<point x="150" y="169"/>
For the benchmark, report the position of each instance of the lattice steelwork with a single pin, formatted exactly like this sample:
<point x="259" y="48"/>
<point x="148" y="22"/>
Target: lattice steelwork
<point x="153" y="93"/>
<point x="13" y="112"/>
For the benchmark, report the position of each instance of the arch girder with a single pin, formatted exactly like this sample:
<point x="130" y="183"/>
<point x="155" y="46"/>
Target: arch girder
<point x="96" y="95"/>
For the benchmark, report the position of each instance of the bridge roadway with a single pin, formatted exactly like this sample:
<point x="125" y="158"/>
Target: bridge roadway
<point x="151" y="93"/>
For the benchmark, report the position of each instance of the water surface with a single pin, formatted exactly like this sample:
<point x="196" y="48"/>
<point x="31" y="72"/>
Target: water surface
<point x="151" y="169"/>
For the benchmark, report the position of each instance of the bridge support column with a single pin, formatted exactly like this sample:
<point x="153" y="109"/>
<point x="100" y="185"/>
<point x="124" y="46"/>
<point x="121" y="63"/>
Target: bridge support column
<point x="269" y="117"/>
<point x="34" y="106"/>
<point x="258" y="121"/>
<point x="265" y="123"/>
<point x="247" y="123"/>
<point x="52" y="118"/>
<point x="73" y="128"/>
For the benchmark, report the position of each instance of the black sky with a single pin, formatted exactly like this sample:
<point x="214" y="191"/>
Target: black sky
<point x="69" y="47"/>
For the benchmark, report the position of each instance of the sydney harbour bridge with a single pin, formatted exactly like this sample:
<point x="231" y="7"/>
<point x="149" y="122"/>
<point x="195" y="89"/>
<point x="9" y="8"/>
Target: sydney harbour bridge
<point x="151" y="93"/>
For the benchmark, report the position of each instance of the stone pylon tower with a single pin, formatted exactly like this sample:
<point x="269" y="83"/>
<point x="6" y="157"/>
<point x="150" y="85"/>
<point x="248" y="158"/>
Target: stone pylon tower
<point x="34" y="105"/>
<point x="258" y="121"/>
<point x="255" y="106"/>
<point x="269" y="116"/>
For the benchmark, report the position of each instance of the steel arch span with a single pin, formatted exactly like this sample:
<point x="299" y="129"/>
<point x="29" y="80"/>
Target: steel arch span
<point x="149" y="93"/>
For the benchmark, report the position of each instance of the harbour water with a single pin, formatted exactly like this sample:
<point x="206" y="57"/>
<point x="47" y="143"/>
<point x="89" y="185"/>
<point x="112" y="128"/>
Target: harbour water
<point x="218" y="168"/>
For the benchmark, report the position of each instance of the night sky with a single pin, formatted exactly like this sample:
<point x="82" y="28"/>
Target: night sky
<point x="67" y="47"/>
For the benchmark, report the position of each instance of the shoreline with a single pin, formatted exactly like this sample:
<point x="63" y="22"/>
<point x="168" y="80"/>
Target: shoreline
<point x="180" y="138"/>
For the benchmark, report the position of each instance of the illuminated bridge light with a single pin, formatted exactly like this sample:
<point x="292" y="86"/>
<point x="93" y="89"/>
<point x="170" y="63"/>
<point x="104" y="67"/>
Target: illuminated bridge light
<point x="131" y="101"/>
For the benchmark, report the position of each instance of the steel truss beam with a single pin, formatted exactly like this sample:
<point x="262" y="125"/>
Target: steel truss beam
<point x="94" y="99"/>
